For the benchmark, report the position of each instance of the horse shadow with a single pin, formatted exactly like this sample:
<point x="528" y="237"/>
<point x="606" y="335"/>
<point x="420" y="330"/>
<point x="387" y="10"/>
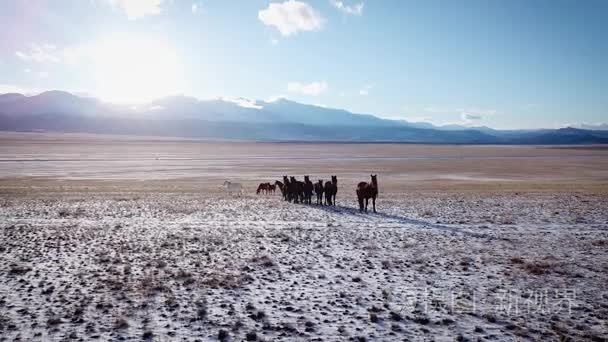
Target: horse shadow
<point x="370" y="216"/>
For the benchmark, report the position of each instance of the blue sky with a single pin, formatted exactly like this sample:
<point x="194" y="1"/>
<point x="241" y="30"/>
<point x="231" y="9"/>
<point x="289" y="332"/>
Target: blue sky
<point x="504" y="64"/>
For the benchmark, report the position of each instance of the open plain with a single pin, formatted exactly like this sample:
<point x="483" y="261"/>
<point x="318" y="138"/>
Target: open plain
<point x="125" y="238"/>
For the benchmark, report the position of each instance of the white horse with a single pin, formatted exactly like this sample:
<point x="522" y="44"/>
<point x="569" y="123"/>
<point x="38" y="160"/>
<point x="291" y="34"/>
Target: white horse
<point x="233" y="187"/>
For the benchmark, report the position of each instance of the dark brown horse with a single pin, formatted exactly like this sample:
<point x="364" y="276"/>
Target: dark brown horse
<point x="331" y="189"/>
<point x="281" y="187"/>
<point x="263" y="188"/>
<point x="367" y="191"/>
<point x="307" y="189"/>
<point x="288" y="189"/>
<point x="296" y="189"/>
<point x="319" y="192"/>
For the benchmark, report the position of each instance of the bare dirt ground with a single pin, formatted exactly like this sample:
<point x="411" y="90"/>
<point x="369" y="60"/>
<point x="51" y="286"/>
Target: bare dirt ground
<point x="133" y="240"/>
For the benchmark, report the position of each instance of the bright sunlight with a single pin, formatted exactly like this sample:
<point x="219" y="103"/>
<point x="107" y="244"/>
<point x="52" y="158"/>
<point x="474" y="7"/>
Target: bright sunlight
<point x="135" y="69"/>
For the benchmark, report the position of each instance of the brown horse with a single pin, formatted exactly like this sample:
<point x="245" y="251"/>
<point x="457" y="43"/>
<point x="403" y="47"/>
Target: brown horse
<point x="272" y="188"/>
<point x="282" y="188"/>
<point x="319" y="192"/>
<point x="296" y="189"/>
<point x="307" y="189"/>
<point x="367" y="191"/>
<point x="292" y="189"/>
<point x="331" y="189"/>
<point x="287" y="188"/>
<point x="263" y="188"/>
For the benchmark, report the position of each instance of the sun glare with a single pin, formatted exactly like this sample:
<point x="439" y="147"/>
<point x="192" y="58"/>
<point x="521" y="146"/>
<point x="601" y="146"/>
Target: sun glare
<point x="136" y="69"/>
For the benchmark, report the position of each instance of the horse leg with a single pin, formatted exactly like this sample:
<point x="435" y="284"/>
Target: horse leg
<point x="360" y="203"/>
<point x="374" y="203"/>
<point x="366" y="203"/>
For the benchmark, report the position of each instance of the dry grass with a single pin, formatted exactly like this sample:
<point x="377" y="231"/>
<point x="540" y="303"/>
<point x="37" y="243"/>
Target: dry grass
<point x="402" y="167"/>
<point x="538" y="268"/>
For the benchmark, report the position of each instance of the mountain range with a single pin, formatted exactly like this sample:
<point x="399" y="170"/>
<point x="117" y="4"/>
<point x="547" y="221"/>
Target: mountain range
<point x="243" y="119"/>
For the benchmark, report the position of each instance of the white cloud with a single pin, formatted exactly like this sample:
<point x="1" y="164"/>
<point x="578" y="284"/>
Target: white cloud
<point x="40" y="53"/>
<point x="49" y="53"/>
<point x="470" y="117"/>
<point x="471" y="112"/>
<point x="39" y="74"/>
<point x="355" y="9"/>
<point x="135" y="9"/>
<point x="478" y="112"/>
<point x="10" y="88"/>
<point x="591" y="125"/>
<point x="365" y="90"/>
<point x="196" y="8"/>
<point x="276" y="98"/>
<point x="243" y="102"/>
<point x="312" y="89"/>
<point x="74" y="54"/>
<point x="418" y="119"/>
<point x="438" y="110"/>
<point x="291" y="17"/>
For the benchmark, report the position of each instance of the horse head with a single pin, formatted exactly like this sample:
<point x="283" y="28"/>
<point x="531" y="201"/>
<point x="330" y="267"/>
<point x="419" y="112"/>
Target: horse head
<point x="306" y="179"/>
<point x="334" y="179"/>
<point x="374" y="179"/>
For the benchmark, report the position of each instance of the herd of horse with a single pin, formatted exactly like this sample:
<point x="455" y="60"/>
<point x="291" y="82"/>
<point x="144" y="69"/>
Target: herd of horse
<point x="297" y="191"/>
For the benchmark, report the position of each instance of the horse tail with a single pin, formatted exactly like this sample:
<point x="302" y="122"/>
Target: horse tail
<point x="360" y="198"/>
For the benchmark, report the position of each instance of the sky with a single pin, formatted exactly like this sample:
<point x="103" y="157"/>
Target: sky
<point x="504" y="64"/>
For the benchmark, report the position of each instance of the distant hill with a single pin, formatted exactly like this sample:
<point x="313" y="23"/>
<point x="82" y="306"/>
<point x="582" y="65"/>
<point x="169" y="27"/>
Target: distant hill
<point x="280" y="120"/>
<point x="598" y="127"/>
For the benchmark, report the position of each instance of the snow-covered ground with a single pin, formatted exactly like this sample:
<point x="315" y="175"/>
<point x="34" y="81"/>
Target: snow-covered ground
<point x="428" y="266"/>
